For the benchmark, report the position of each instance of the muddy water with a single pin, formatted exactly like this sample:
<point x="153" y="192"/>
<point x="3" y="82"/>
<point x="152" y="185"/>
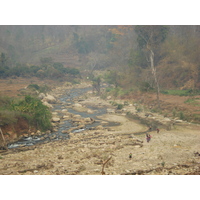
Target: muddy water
<point x="66" y="99"/>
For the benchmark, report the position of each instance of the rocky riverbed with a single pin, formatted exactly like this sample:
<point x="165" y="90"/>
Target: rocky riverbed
<point x="106" y="149"/>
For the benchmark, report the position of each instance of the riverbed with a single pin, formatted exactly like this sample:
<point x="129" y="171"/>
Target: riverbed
<point x="66" y="101"/>
<point x="85" y="151"/>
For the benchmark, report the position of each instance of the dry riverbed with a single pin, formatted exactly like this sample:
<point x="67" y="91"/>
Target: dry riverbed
<point x="105" y="150"/>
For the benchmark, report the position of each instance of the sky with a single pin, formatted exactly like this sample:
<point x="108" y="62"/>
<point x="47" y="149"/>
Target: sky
<point x="104" y="12"/>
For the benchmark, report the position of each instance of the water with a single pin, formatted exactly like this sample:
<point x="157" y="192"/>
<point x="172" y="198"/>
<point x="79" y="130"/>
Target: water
<point x="66" y="99"/>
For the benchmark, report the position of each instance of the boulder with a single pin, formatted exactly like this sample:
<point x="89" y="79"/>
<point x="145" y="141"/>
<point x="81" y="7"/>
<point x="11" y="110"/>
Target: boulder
<point x="50" y="99"/>
<point x="90" y="111"/>
<point x="41" y="96"/>
<point x="47" y="104"/>
<point x="55" y="119"/>
<point x="77" y="105"/>
<point x="88" y="119"/>
<point x="65" y="131"/>
<point x="64" y="110"/>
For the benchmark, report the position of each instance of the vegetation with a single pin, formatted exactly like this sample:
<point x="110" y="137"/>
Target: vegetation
<point x="31" y="109"/>
<point x="134" y="58"/>
<point x="164" y="56"/>
<point x="47" y="69"/>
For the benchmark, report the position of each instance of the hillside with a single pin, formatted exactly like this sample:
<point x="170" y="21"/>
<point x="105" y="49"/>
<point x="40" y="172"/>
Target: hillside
<point x="116" y="48"/>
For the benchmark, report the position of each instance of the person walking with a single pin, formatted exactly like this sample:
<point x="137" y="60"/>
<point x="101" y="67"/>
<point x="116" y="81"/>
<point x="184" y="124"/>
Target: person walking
<point x="148" y="137"/>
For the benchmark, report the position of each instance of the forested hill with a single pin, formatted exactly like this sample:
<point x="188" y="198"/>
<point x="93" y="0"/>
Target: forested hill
<point x="124" y="50"/>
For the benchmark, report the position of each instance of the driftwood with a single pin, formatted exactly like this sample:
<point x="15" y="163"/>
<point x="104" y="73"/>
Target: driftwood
<point x="104" y="163"/>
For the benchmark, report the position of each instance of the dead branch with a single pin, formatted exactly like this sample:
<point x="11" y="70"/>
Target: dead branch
<point x="103" y="172"/>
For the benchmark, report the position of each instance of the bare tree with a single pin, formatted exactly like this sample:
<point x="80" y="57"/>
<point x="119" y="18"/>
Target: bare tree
<point x="149" y="39"/>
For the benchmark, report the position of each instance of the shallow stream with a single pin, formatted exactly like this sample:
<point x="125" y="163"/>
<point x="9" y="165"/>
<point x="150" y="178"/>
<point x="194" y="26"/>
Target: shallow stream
<point x="66" y="99"/>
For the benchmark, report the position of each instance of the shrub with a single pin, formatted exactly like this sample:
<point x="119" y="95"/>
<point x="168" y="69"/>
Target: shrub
<point x="181" y="115"/>
<point x="119" y="106"/>
<point x="35" y="112"/>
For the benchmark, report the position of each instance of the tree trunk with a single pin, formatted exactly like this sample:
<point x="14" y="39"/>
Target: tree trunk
<point x="153" y="70"/>
<point x="4" y="142"/>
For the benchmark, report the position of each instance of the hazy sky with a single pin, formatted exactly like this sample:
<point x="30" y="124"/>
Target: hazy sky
<point x="102" y="12"/>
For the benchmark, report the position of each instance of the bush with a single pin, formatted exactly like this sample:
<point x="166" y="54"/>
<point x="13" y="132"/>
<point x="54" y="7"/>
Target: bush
<point x="145" y="87"/>
<point x="35" y="112"/>
<point x="120" y="106"/>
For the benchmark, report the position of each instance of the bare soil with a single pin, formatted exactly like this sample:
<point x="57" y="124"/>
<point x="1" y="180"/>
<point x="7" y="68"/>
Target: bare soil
<point x="12" y="87"/>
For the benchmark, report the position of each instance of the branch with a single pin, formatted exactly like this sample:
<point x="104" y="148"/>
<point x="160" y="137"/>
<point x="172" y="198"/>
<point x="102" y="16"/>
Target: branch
<point x="102" y="172"/>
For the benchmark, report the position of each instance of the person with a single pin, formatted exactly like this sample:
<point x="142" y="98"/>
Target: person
<point x="150" y="128"/>
<point x="148" y="137"/>
<point x="130" y="155"/>
<point x="158" y="130"/>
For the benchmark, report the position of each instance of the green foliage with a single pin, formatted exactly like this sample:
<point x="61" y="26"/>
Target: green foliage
<point x="174" y="112"/>
<point x="180" y="92"/>
<point x="163" y="164"/>
<point x="34" y="86"/>
<point x="193" y="101"/>
<point x="145" y="87"/>
<point x="120" y="106"/>
<point x="7" y="115"/>
<point x="153" y="35"/>
<point x="82" y="45"/>
<point x="181" y="115"/>
<point x="36" y="113"/>
<point x="136" y="58"/>
<point x="47" y="69"/>
<point x="112" y="77"/>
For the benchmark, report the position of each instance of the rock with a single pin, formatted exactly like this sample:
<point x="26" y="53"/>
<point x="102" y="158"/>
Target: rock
<point x="88" y="119"/>
<point x="48" y="132"/>
<point x="99" y="127"/>
<point x="77" y="116"/>
<point x="54" y="113"/>
<point x="38" y="132"/>
<point x="65" y="117"/>
<point x="137" y="146"/>
<point x="110" y="110"/>
<point x="50" y="99"/>
<point x="55" y="119"/>
<point x="41" y="96"/>
<point x="77" y="105"/>
<point x="64" y="110"/>
<point x="65" y="131"/>
<point x="179" y="121"/>
<point x="47" y="104"/>
<point x="90" y="111"/>
<point x="167" y="119"/>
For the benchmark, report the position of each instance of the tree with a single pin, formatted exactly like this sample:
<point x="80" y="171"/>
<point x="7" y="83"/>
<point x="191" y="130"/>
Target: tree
<point x="149" y="40"/>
